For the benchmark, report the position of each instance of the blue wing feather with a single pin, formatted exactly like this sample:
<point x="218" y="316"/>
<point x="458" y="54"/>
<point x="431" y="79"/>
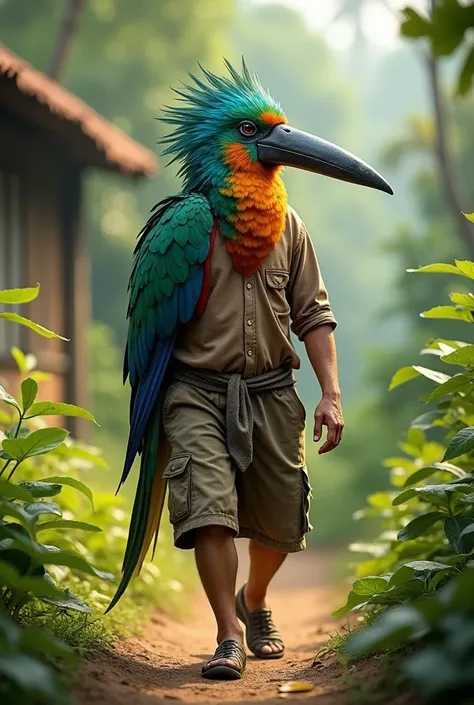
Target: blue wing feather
<point x="165" y="286"/>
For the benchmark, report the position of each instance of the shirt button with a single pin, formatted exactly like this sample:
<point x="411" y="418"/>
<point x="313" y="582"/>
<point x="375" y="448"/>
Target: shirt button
<point x="249" y="286"/>
<point x="249" y="321"/>
<point x="249" y="353"/>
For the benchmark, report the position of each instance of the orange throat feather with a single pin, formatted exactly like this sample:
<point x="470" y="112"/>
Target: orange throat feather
<point x="260" y="210"/>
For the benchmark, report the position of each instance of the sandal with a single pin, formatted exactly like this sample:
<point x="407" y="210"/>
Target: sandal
<point x="260" y="629"/>
<point x="226" y="649"/>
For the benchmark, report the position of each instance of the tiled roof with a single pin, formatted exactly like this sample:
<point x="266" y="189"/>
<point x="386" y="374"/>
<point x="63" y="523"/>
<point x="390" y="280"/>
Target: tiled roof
<point x="113" y="148"/>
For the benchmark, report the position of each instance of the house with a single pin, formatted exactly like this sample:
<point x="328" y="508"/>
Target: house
<point x="48" y="139"/>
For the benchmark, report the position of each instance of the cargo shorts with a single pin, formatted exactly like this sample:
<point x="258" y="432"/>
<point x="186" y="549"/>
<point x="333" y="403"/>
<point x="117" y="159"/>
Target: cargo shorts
<point x="269" y="501"/>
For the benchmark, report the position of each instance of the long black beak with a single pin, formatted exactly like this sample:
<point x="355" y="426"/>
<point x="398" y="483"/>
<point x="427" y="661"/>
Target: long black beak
<point x="289" y="147"/>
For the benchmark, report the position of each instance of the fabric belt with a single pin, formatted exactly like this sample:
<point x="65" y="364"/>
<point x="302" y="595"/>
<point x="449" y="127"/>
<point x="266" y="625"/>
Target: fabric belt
<point x="239" y="413"/>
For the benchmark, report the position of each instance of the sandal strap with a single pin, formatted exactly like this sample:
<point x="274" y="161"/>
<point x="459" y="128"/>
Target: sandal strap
<point x="229" y="648"/>
<point x="262" y="628"/>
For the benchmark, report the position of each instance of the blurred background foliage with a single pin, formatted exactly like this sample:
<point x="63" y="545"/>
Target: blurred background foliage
<point x="373" y="97"/>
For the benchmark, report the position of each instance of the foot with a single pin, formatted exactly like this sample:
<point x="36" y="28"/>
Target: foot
<point x="255" y="603"/>
<point x="228" y="662"/>
<point x="263" y="639"/>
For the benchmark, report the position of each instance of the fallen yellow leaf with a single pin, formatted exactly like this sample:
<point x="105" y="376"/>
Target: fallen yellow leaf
<point x="295" y="687"/>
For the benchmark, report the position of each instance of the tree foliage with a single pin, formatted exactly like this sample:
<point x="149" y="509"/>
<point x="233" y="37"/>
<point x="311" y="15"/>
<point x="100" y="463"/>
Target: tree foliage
<point x="447" y="31"/>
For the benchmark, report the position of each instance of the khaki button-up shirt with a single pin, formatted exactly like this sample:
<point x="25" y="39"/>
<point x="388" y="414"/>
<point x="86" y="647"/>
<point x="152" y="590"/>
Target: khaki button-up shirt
<point x="246" y="325"/>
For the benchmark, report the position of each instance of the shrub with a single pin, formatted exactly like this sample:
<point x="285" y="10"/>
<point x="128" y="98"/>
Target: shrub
<point x="422" y="563"/>
<point x="26" y="562"/>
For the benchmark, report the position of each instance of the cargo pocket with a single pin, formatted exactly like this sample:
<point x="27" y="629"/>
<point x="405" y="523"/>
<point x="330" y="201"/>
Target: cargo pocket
<point x="178" y="474"/>
<point x="306" y="500"/>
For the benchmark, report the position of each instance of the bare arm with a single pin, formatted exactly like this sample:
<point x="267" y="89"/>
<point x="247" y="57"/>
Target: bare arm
<point x="321" y="349"/>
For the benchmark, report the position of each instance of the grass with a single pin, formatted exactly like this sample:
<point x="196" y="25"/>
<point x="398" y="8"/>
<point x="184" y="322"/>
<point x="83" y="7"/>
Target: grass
<point x="87" y="634"/>
<point x="158" y="588"/>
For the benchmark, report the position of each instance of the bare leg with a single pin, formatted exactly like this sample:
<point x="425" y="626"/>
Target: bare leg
<point x="216" y="560"/>
<point x="264" y="563"/>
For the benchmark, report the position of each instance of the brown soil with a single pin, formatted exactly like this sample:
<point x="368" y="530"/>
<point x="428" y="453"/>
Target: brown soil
<point x="164" y="664"/>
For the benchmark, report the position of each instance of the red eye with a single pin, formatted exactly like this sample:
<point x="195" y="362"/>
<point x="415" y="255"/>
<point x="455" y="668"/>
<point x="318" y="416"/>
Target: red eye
<point x="247" y="128"/>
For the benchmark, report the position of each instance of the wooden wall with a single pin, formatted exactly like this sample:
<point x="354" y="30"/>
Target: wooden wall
<point x="54" y="256"/>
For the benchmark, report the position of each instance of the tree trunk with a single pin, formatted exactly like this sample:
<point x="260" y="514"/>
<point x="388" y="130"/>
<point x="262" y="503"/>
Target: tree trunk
<point x="453" y="190"/>
<point x="67" y="32"/>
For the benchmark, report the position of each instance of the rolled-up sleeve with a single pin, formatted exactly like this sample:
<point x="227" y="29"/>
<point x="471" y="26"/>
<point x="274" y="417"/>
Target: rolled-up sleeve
<point x="308" y="297"/>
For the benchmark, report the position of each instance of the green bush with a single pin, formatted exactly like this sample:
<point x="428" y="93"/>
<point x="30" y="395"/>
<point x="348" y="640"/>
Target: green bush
<point x="421" y="565"/>
<point x="24" y="678"/>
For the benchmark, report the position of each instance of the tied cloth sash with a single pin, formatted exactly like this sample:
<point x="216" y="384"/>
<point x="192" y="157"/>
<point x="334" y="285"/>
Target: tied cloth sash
<point x="239" y="414"/>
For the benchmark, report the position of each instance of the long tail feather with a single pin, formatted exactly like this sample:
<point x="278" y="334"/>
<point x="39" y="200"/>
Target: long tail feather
<point x="157" y="501"/>
<point x="139" y="522"/>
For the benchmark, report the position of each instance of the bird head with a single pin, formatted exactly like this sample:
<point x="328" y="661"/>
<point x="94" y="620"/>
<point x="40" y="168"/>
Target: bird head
<point x="230" y="124"/>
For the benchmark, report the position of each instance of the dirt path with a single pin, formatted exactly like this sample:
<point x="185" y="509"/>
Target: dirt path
<point x="164" y="664"/>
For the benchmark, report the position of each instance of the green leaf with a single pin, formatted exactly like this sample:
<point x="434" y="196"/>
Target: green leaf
<point x="469" y="216"/>
<point x="371" y="585"/>
<point x="407" y="589"/>
<point x="16" y="318"/>
<point x="433" y="375"/>
<point x="466" y="267"/>
<point x="426" y="421"/>
<point x="9" y="575"/>
<point x="419" y="526"/>
<point x="31" y="676"/>
<point x="37" y="586"/>
<point x="20" y="359"/>
<point x="50" y="555"/>
<point x="8" y="490"/>
<point x="10" y="509"/>
<point x="75" y="562"/>
<point x="454" y="527"/>
<point x="458" y="383"/>
<point x="435" y="494"/>
<point x="61" y="524"/>
<point x="395" y="627"/>
<point x="29" y="390"/>
<point x="414" y="25"/>
<point x="72" y="482"/>
<point x="462" y="442"/>
<point x="416" y="570"/>
<point x="41" y="489"/>
<point x="69" y="601"/>
<point x="19" y="296"/>
<point x="468" y="531"/>
<point x="466" y="300"/>
<point x="425" y="472"/>
<point x="37" y="509"/>
<point x="8" y="399"/>
<point x="41" y="376"/>
<point x="461" y="356"/>
<point x="51" y="408"/>
<point x="36" y="443"/>
<point x="467" y="499"/>
<point x="405" y="374"/>
<point x="353" y="600"/>
<point x="380" y="500"/>
<point x="448" y="313"/>
<point x="437" y="268"/>
<point x="88" y="456"/>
